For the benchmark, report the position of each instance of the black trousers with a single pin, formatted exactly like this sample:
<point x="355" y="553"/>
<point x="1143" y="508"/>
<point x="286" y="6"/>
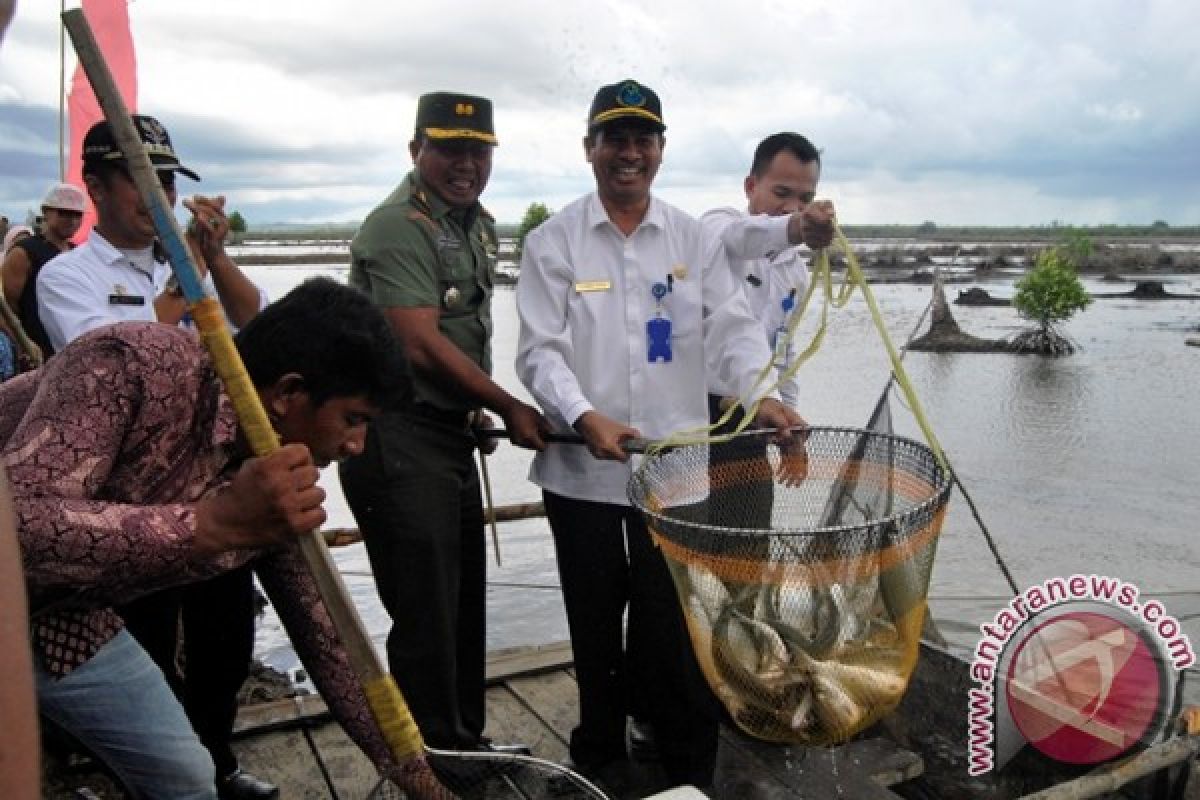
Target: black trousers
<point x="415" y="494"/>
<point x="607" y="563"/>
<point x="216" y="619"/>
<point x="736" y="499"/>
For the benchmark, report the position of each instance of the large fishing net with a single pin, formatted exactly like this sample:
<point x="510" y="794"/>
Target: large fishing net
<point x="802" y="574"/>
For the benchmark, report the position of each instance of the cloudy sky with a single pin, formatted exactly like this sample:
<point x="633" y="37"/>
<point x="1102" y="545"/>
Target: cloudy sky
<point x="957" y="111"/>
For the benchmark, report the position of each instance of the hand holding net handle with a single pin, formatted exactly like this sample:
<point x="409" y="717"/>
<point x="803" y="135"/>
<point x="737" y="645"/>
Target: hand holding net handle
<point x="633" y="446"/>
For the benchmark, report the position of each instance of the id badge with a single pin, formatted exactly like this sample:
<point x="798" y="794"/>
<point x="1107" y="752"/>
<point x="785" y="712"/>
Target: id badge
<point x="658" y="340"/>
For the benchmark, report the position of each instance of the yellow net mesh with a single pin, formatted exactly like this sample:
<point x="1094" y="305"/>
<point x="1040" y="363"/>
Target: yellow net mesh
<point x="804" y="598"/>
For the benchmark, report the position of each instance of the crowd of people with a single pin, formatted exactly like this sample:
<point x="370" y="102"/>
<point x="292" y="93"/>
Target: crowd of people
<point x="142" y="516"/>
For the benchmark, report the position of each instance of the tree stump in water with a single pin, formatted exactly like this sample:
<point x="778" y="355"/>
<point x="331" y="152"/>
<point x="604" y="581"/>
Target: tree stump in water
<point x="945" y="336"/>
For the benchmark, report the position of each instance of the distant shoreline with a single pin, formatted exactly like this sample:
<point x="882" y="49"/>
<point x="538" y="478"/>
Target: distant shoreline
<point x="900" y="259"/>
<point x="1000" y="234"/>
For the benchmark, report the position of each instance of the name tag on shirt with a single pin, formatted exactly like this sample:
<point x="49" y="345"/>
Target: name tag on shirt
<point x="593" y="286"/>
<point x="126" y="300"/>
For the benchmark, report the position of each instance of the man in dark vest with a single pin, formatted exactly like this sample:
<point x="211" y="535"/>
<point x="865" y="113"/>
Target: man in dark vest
<point x="62" y="214"/>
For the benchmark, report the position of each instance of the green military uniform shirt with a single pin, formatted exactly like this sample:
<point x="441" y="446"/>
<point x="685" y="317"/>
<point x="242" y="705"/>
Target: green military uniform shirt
<point x="415" y="251"/>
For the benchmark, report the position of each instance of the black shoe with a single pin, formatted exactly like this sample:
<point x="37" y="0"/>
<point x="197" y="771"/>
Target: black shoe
<point x="241" y="785"/>
<point x="643" y="743"/>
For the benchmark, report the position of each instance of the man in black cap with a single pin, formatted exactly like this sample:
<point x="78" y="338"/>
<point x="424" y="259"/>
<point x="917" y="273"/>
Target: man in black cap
<point x="625" y="306"/>
<point x="427" y="256"/>
<point x="120" y="274"/>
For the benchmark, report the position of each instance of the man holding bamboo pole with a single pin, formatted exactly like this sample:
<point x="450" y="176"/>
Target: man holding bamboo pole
<point x="130" y="473"/>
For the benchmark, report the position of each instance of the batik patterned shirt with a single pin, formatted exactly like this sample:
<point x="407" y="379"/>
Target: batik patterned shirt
<point x="108" y="448"/>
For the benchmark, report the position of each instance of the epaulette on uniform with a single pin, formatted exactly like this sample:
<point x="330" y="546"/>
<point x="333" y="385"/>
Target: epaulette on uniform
<point x="419" y="216"/>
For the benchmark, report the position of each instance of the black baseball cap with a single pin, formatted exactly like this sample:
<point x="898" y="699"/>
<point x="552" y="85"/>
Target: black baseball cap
<point x="625" y="101"/>
<point x="451" y="115"/>
<point x="99" y="145"/>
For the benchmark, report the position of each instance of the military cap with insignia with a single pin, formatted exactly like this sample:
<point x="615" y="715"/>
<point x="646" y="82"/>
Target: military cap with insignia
<point x="626" y="101"/>
<point x="450" y="115"/>
<point x="100" y="145"/>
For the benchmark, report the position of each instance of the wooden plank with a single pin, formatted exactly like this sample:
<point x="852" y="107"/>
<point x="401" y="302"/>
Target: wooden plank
<point x="886" y="762"/>
<point x="351" y="771"/>
<point x="553" y="697"/>
<point x="761" y="771"/>
<point x="503" y="664"/>
<point x="510" y="721"/>
<point x="277" y="714"/>
<point x="285" y="759"/>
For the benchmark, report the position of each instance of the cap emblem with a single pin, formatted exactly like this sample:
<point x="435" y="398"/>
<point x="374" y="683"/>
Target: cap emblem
<point x="630" y="94"/>
<point x="465" y="109"/>
<point x="154" y="131"/>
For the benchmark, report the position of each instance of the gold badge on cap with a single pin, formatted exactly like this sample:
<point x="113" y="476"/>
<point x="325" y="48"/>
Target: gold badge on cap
<point x="451" y="297"/>
<point x="680" y="272"/>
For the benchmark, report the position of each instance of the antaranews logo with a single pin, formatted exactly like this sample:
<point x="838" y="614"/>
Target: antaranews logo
<point x="1078" y="668"/>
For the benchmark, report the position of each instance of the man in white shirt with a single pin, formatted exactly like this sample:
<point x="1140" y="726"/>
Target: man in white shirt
<point x="119" y="274"/>
<point x="768" y="243"/>
<point x="624" y="306"/>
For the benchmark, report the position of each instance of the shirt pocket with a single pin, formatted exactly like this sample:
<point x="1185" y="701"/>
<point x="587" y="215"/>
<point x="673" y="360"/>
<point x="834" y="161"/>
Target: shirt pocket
<point x="685" y="306"/>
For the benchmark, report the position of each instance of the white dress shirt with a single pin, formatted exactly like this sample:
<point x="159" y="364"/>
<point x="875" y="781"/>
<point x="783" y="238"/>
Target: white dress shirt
<point x="584" y="299"/>
<point x="92" y="285"/>
<point x="768" y="268"/>
<point x="97" y="284"/>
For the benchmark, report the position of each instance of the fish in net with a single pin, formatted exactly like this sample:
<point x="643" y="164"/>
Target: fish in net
<point x="804" y="596"/>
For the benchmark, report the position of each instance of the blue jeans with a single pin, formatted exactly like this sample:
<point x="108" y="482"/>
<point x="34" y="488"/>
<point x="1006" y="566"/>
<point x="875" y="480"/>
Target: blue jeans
<point x="118" y="705"/>
<point x="8" y="357"/>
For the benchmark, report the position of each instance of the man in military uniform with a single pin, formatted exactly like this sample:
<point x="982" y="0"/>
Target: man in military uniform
<point x="426" y="257"/>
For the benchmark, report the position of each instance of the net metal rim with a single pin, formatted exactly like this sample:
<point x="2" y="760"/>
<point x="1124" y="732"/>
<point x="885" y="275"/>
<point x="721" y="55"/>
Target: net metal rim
<point x="636" y="490"/>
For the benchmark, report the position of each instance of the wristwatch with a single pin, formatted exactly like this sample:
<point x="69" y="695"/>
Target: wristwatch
<point x="172" y="287"/>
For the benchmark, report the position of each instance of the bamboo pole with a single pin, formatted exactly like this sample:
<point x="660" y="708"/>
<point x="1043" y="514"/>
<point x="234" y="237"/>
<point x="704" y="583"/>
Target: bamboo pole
<point x="341" y="537"/>
<point x="387" y="705"/>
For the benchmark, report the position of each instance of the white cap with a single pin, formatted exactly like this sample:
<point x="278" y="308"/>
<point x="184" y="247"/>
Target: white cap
<point x="64" y="197"/>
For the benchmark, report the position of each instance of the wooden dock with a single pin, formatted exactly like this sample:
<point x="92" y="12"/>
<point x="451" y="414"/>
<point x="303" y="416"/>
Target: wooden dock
<point x="532" y="699"/>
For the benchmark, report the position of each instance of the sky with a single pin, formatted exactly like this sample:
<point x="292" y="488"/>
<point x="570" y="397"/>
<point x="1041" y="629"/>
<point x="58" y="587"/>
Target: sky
<point x="962" y="112"/>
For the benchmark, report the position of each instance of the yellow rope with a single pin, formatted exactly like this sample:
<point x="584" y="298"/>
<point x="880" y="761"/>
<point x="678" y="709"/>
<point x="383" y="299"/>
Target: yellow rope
<point x="763" y="385"/>
<point x="855" y="274"/>
<point x="395" y="720"/>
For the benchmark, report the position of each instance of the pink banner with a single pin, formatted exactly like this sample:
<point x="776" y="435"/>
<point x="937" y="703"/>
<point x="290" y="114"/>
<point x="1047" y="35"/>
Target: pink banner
<point x="109" y="20"/>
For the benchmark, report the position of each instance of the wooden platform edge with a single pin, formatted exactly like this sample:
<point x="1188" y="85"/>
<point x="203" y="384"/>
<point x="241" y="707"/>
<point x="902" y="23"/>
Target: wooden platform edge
<point x="502" y="665"/>
<point x="525" y="661"/>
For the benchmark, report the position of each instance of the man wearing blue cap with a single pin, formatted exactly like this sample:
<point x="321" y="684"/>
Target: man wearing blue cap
<point x="426" y="256"/>
<point x="624" y="304"/>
